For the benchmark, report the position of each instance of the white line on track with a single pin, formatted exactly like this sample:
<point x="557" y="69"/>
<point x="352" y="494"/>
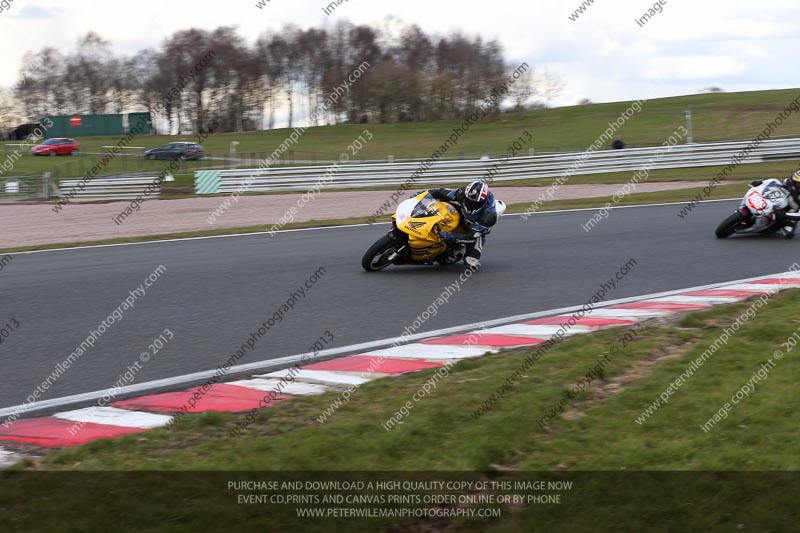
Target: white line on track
<point x="159" y="241"/>
<point x="286" y="362"/>
<point x="615" y="207"/>
<point x="321" y="228"/>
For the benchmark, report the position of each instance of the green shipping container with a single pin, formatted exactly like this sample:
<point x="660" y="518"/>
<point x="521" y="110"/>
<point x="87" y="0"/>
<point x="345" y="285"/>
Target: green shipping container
<point x="84" y="125"/>
<point x="96" y="125"/>
<point x="139" y="123"/>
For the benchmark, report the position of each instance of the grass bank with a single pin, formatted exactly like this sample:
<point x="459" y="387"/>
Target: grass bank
<point x="596" y="441"/>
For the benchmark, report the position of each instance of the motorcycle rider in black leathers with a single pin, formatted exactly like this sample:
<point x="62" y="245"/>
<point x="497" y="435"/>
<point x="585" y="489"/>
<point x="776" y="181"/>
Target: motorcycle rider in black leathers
<point x="476" y="205"/>
<point x="789" y="218"/>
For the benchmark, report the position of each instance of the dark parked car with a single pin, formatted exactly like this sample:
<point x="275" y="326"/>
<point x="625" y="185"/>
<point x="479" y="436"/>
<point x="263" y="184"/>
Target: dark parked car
<point x="178" y="150"/>
<point x="57" y="146"/>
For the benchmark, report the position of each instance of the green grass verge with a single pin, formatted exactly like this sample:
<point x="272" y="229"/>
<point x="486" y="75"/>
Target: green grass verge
<point x="289" y="436"/>
<point x="724" y="116"/>
<point x="597" y="432"/>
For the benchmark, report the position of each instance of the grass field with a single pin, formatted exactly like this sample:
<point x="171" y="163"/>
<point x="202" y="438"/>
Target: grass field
<point x="598" y="432"/>
<point x="716" y="117"/>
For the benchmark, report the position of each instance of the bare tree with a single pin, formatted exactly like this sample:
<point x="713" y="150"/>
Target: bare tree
<point x="40" y="87"/>
<point x="362" y="47"/>
<point x="312" y="55"/>
<point x="412" y="75"/>
<point x="523" y="89"/>
<point x="550" y="86"/>
<point x="11" y="112"/>
<point x="184" y="55"/>
<point x="89" y="74"/>
<point x="233" y="94"/>
<point x="271" y="68"/>
<point x="283" y="50"/>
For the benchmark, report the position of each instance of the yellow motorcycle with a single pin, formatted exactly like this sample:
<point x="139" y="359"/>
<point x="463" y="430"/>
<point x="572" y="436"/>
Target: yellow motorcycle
<point x="414" y="238"/>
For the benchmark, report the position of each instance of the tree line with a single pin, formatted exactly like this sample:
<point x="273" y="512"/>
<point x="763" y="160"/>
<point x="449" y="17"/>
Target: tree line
<point x="412" y="76"/>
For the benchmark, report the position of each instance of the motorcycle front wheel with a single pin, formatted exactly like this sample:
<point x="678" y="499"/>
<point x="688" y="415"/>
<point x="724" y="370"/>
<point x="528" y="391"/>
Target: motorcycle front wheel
<point x="377" y="256"/>
<point x="728" y="226"/>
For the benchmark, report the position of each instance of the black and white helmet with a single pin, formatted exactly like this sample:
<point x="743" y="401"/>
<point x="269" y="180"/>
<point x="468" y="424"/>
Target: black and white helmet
<point x="793" y="184"/>
<point x="475" y="195"/>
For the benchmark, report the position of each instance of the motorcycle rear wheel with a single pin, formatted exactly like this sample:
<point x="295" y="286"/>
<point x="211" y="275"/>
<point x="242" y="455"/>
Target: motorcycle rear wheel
<point x="728" y="226"/>
<point x="376" y="257"/>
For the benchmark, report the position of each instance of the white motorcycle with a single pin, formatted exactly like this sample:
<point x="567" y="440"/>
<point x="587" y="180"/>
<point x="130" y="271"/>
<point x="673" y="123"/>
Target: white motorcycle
<point x="763" y="210"/>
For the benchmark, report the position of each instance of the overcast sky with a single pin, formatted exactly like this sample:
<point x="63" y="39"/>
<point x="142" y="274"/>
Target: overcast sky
<point x="604" y="55"/>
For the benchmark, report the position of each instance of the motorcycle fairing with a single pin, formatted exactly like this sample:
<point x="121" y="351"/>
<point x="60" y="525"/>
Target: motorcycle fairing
<point x="421" y="218"/>
<point x="760" y="206"/>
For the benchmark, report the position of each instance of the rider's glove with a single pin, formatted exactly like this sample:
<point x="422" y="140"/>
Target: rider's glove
<point x="445" y="236"/>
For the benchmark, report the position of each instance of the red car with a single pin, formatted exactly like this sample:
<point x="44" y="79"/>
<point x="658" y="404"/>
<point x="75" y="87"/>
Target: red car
<point x="57" y="146"/>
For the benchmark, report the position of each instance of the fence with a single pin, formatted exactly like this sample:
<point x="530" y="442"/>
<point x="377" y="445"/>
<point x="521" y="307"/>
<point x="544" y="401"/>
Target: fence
<point x="74" y="167"/>
<point x="112" y="188"/>
<point x="24" y="188"/>
<point x="351" y="175"/>
<point x="533" y="167"/>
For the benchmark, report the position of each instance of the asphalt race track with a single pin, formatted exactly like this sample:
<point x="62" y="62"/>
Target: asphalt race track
<point x="215" y="292"/>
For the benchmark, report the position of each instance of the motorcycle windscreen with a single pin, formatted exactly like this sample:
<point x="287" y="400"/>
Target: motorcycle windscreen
<point x="426" y="207"/>
<point x="423" y="246"/>
<point x="418" y="207"/>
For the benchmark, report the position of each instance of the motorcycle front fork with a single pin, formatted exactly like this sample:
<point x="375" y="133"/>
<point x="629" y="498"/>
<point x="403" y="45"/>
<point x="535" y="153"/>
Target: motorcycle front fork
<point x="394" y="255"/>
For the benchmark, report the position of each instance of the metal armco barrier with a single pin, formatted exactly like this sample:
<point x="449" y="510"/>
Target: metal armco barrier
<point x="541" y="166"/>
<point x="111" y="188"/>
<point x="24" y="188"/>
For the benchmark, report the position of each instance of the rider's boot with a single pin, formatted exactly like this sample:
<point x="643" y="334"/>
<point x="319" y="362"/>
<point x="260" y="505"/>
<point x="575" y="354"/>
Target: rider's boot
<point x="789" y="229"/>
<point x="789" y="224"/>
<point x="472" y="258"/>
